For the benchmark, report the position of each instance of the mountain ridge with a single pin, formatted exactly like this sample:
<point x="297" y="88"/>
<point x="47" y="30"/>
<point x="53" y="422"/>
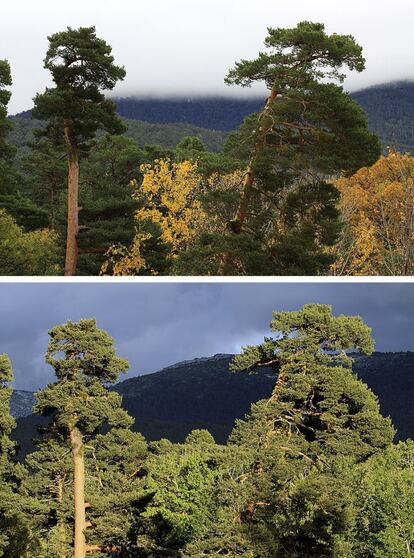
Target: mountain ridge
<point x="203" y="393"/>
<point x="389" y="108"/>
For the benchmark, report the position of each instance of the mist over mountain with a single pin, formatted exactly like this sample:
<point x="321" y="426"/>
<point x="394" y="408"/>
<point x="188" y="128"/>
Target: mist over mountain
<point x="203" y="393"/>
<point x="165" y="121"/>
<point x="213" y="113"/>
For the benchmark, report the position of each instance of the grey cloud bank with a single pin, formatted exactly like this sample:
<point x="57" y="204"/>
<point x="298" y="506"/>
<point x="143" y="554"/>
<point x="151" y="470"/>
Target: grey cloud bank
<point x="155" y="325"/>
<point x="186" y="47"/>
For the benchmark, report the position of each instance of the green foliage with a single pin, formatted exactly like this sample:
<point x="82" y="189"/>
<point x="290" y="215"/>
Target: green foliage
<point x="298" y="449"/>
<point x="310" y="473"/>
<point x="84" y="361"/>
<point x="180" y="504"/>
<point x="44" y="168"/>
<point x="307" y="49"/>
<point x="5" y="81"/>
<point x="108" y="208"/>
<point x="33" y="253"/>
<point x="81" y="65"/>
<point x="16" y="539"/>
<point x="384" y="492"/>
<point x="167" y="136"/>
<point x="115" y="486"/>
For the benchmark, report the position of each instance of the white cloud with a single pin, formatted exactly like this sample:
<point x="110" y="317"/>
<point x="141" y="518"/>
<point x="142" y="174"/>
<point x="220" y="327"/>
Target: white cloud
<point x="187" y="46"/>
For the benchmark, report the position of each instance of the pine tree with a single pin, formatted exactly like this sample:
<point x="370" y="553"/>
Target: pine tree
<point x="85" y="362"/>
<point x="16" y="539"/>
<point x="82" y="67"/>
<point x="49" y="484"/>
<point x="115" y="488"/>
<point x="105" y="194"/>
<point x="6" y="150"/>
<point x="288" y="488"/>
<point x="9" y="198"/>
<point x="309" y="129"/>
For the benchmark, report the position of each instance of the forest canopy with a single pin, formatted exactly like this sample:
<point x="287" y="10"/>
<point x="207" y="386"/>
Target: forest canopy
<point x="270" y="198"/>
<point x="311" y="471"/>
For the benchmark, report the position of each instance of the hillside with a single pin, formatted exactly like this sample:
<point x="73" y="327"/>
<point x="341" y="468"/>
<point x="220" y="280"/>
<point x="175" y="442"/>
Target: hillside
<point x="389" y="107"/>
<point x="144" y="133"/>
<point x="202" y="393"/>
<point x="214" y="113"/>
<point x="390" y="110"/>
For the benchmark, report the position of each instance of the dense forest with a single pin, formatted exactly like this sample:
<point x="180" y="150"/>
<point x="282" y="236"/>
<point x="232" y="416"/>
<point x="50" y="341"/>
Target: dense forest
<point x="312" y="471"/>
<point x="300" y="188"/>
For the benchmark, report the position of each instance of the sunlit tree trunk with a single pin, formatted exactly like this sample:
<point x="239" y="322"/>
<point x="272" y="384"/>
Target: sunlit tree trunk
<point x="73" y="212"/>
<point x="242" y="211"/>
<point x="79" y="546"/>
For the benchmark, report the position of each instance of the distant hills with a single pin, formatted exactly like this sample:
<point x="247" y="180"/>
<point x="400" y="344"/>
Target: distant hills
<point x="213" y="113"/>
<point x="144" y="133"/>
<point x="390" y="110"/>
<point x="202" y="393"/>
<point x="389" y="107"/>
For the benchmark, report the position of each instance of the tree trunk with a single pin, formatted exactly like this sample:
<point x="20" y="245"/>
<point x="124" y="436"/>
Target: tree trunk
<point x="79" y="546"/>
<point x="73" y="214"/>
<point x="242" y="211"/>
<point x="241" y="215"/>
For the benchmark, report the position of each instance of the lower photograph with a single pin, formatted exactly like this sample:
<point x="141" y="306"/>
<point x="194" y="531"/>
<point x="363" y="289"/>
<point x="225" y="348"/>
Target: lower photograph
<point x="254" y="420"/>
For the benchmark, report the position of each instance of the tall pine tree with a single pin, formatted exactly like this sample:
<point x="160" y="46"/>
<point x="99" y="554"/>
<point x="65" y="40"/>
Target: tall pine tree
<point x="16" y="539"/>
<point x="82" y="67"/>
<point x="85" y="362"/>
<point x="308" y="130"/>
<point x="287" y="487"/>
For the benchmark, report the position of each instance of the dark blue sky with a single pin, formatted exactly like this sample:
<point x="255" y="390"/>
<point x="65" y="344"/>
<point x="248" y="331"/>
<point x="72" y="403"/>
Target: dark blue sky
<point x="158" y="324"/>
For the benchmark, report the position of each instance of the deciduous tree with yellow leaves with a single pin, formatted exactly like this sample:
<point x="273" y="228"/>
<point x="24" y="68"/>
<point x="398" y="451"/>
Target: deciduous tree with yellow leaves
<point x="170" y="191"/>
<point x="170" y="205"/>
<point x="377" y="206"/>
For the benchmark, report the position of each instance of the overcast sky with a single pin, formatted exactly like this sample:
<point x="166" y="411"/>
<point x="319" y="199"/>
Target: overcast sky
<point x="187" y="46"/>
<point x="155" y="325"/>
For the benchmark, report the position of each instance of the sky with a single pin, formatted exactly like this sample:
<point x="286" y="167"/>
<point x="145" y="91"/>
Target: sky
<point x="186" y="47"/>
<point x="158" y="324"/>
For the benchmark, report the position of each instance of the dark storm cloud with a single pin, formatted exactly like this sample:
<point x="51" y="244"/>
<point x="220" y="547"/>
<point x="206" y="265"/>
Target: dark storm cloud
<point x="155" y="325"/>
<point x="186" y="47"/>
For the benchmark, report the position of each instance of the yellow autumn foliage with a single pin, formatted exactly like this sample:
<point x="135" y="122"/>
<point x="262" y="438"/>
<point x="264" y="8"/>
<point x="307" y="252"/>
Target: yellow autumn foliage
<point x="170" y="190"/>
<point x="124" y="261"/>
<point x="377" y="207"/>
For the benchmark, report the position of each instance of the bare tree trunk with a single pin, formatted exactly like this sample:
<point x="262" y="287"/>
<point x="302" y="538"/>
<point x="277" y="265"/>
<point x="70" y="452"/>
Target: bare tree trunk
<point x="79" y="546"/>
<point x="73" y="214"/>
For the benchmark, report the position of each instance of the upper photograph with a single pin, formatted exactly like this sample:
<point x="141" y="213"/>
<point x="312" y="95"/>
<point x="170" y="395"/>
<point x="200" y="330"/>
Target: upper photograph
<point x="208" y="138"/>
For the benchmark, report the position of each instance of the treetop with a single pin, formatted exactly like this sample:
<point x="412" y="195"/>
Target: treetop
<point x="313" y="330"/>
<point x="78" y="58"/>
<point x="305" y="52"/>
<point x="80" y="350"/>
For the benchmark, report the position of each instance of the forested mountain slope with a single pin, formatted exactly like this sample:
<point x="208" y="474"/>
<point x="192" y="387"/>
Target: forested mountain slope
<point x="389" y="107"/>
<point x="390" y="110"/>
<point x="144" y="133"/>
<point x="214" y="113"/>
<point x="202" y="393"/>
